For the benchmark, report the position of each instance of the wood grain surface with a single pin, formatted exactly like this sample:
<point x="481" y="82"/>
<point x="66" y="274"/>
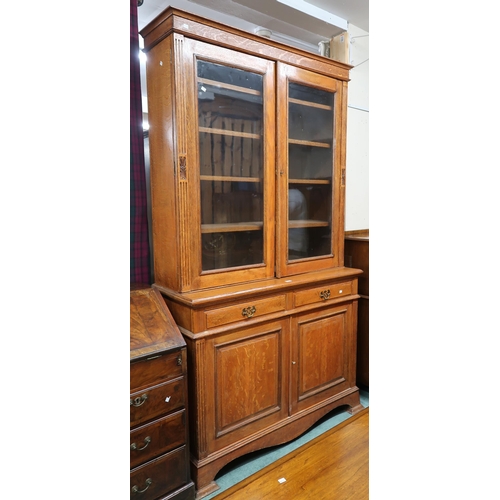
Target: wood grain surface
<point x="332" y="466"/>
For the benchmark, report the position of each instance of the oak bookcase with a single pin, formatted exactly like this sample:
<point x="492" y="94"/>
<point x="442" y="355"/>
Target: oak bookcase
<point x="247" y="158"/>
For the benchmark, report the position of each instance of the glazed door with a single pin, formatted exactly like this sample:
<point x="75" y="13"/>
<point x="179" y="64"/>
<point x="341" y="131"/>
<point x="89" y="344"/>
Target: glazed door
<point x="323" y="349"/>
<point x="230" y="130"/>
<point x="310" y="171"/>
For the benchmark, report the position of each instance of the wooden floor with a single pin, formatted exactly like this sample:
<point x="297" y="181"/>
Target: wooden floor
<point x="333" y="466"/>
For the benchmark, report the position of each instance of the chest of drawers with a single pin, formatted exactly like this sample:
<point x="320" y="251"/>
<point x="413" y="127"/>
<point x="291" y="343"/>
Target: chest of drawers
<point x="357" y="252"/>
<point x="159" y="450"/>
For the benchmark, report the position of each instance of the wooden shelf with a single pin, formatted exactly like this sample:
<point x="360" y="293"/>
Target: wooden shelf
<point x="228" y="178"/>
<point x="293" y="224"/>
<point x="308" y="143"/>
<point x="228" y="86"/>
<point x="231" y="133"/>
<point x="309" y="181"/>
<point x="231" y="227"/>
<point x="309" y="103"/>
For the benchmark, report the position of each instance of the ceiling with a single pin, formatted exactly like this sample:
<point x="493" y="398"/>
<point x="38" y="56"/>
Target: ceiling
<point x="290" y="21"/>
<point x="293" y="22"/>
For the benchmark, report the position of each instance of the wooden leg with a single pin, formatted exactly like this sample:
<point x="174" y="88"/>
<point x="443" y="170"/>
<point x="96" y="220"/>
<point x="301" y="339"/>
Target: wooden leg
<point x="206" y="490"/>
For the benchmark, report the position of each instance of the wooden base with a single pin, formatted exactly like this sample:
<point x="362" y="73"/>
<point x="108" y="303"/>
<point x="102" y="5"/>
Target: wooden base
<point x="209" y="488"/>
<point x="203" y="471"/>
<point x="355" y="409"/>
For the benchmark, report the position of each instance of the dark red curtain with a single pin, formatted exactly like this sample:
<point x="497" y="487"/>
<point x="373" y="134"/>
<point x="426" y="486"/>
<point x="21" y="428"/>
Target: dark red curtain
<point x="139" y="241"/>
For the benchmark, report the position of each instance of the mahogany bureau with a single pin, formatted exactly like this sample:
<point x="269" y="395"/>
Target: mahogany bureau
<point x="159" y="450"/>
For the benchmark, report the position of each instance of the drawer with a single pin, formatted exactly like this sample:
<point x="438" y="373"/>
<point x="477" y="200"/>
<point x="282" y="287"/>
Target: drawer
<point x="156" y="370"/>
<point x="243" y="310"/>
<point x="160" y="476"/>
<point x="155" y="439"/>
<point x="322" y="294"/>
<point x="156" y="401"/>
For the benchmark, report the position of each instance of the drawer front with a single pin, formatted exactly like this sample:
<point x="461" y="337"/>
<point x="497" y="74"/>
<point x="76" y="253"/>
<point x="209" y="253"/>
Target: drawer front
<point x="160" y="476"/>
<point x="322" y="294"/>
<point x="156" y="401"/>
<point x="155" y="439"/>
<point x="156" y="370"/>
<point x="244" y="310"/>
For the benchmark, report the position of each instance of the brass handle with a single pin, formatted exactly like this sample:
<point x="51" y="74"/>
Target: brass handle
<point x="139" y="400"/>
<point x="135" y="489"/>
<point x="248" y="312"/>
<point x="133" y="446"/>
<point x="179" y="360"/>
<point x="325" y="294"/>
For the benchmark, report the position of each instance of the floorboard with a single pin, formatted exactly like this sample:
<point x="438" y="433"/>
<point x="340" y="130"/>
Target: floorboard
<point x="332" y="466"/>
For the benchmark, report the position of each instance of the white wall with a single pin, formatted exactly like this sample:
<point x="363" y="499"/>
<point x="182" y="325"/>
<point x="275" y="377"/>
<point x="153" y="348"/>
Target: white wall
<point x="356" y="209"/>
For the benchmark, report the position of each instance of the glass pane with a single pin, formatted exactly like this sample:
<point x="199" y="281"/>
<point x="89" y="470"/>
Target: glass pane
<point x="310" y="171"/>
<point x="310" y="94"/>
<point x="225" y="74"/>
<point x="230" y="120"/>
<point x="310" y="124"/>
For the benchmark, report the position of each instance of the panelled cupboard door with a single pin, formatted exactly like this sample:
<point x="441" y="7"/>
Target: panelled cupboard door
<point x="228" y="136"/>
<point x="248" y="369"/>
<point x="323" y="343"/>
<point x="310" y="165"/>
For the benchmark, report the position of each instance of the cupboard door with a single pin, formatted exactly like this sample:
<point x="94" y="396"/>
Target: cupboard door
<point x="310" y="186"/>
<point x="323" y="346"/>
<point x="231" y="233"/>
<point x="249" y="372"/>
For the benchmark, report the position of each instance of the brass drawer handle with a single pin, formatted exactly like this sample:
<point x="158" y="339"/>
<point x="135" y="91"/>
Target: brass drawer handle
<point x="325" y="294"/>
<point x="138" y="401"/>
<point x="135" y="489"/>
<point x="133" y="446"/>
<point x="248" y="312"/>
